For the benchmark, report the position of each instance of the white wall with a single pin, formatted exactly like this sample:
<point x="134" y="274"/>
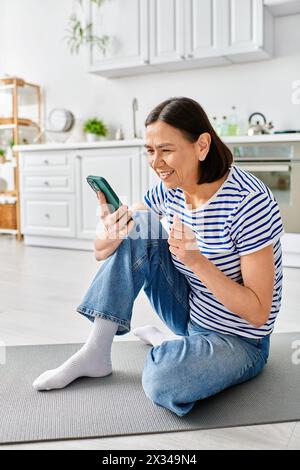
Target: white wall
<point x="34" y="50"/>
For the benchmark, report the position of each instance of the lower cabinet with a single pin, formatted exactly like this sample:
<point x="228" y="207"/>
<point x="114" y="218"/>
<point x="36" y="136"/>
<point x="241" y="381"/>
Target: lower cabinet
<point x="58" y="207"/>
<point x="49" y="215"/>
<point x="120" y="167"/>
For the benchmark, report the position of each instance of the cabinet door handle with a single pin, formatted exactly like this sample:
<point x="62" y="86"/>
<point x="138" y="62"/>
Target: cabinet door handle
<point x="182" y="57"/>
<point x="46" y="162"/>
<point x="47" y="216"/>
<point x="78" y="157"/>
<point x="46" y="183"/>
<point x="146" y="61"/>
<point x="190" y="56"/>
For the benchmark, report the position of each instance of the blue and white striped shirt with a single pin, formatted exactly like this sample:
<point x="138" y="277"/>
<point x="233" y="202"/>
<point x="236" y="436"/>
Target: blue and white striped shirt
<point x="240" y="218"/>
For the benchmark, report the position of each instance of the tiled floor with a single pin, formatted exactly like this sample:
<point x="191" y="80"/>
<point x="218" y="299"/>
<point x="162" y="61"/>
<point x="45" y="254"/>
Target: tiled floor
<point x="40" y="289"/>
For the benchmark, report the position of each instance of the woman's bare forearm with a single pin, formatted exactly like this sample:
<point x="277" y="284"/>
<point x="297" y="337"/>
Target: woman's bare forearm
<point x="235" y="297"/>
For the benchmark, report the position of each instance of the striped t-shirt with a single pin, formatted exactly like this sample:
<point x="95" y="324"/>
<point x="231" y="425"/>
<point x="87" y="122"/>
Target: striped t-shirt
<point x="240" y="218"/>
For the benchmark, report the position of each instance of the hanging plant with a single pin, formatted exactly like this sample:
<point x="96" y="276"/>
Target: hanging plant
<point x="80" y="31"/>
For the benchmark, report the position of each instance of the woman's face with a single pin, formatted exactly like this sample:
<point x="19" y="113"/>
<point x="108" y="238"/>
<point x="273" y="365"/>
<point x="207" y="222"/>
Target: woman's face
<point x="172" y="156"/>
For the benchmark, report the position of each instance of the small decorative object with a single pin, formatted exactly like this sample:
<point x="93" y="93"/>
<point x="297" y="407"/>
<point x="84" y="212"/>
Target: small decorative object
<point x="94" y="128"/>
<point x="80" y="31"/>
<point x="58" y="126"/>
<point x="61" y="120"/>
<point x="119" y="134"/>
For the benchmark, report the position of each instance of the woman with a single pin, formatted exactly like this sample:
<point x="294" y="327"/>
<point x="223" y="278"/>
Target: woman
<point x="215" y="278"/>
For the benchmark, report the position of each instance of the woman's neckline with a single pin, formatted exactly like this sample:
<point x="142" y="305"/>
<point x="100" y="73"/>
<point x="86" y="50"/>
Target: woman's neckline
<point x="203" y="206"/>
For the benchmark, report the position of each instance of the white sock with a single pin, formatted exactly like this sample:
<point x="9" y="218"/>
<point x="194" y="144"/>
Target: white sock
<point x="152" y="335"/>
<point x="92" y="360"/>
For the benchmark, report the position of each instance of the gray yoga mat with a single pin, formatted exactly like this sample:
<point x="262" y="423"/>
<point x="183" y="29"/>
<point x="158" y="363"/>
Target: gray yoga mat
<point x="116" y="405"/>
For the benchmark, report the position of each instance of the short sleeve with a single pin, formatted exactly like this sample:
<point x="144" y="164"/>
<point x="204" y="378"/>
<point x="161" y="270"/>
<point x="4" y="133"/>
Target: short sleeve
<point x="155" y="199"/>
<point x="256" y="223"/>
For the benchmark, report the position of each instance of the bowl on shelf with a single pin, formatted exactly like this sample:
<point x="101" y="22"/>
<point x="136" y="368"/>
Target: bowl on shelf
<point x="56" y="136"/>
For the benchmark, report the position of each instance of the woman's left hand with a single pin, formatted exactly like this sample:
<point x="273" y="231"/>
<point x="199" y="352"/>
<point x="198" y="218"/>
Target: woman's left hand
<point x="183" y="243"/>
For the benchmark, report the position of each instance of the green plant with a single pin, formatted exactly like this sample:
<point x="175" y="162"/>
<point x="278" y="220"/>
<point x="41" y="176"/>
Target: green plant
<point x="2" y="152"/>
<point x="80" y="32"/>
<point x="95" y="126"/>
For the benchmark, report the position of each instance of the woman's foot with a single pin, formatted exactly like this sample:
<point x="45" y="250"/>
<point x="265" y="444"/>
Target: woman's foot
<point x="92" y="360"/>
<point x="152" y="335"/>
<point x="85" y="363"/>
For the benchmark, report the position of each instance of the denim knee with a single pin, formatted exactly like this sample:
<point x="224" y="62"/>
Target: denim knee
<point x="158" y="387"/>
<point x="160" y="383"/>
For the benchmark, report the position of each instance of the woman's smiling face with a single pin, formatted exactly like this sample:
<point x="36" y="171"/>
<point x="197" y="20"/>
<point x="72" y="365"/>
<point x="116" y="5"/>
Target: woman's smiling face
<point x="172" y="156"/>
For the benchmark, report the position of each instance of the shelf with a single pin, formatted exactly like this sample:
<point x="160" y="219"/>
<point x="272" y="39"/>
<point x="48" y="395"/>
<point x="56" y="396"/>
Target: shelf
<point x="18" y="89"/>
<point x="7" y="83"/>
<point x="20" y="121"/>
<point x="6" y="87"/>
<point x="8" y="231"/>
<point x="28" y="90"/>
<point x="10" y="81"/>
<point x="8" y="193"/>
<point x="13" y="126"/>
<point x="9" y="164"/>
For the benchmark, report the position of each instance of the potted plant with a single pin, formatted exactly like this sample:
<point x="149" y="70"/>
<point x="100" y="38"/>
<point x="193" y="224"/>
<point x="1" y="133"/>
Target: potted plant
<point x="80" y="29"/>
<point x="2" y="156"/>
<point x="94" y="129"/>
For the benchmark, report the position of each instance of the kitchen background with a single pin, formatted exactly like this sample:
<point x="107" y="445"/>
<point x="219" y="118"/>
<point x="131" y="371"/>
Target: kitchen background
<point x="32" y="46"/>
<point x="41" y="286"/>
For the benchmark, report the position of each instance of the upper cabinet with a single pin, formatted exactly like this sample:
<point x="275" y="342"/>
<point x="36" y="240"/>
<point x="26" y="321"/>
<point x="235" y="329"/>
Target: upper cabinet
<point x="126" y="23"/>
<point x="164" y="35"/>
<point x="248" y="30"/>
<point x="204" y="33"/>
<point x="166" y="31"/>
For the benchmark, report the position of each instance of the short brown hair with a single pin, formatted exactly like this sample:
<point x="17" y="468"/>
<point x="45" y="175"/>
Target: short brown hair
<point x="190" y="118"/>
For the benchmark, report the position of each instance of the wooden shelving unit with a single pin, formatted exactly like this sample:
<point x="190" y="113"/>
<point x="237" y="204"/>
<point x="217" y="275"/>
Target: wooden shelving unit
<point x="10" y="212"/>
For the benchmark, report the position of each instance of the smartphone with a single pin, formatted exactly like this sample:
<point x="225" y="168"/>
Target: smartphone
<point x="98" y="183"/>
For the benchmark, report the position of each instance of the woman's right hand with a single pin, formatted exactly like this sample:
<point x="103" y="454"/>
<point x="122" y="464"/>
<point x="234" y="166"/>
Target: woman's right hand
<point x="115" y="228"/>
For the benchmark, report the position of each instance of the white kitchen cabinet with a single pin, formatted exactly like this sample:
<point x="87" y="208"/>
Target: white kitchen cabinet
<point x="49" y="215"/>
<point x="165" y="35"/>
<point x="47" y="199"/>
<point x="248" y="30"/>
<point x="120" y="167"/>
<point x="166" y="31"/>
<point x="50" y="161"/>
<point x="186" y="34"/>
<point x="126" y="23"/>
<point x="283" y="7"/>
<point x="58" y="207"/>
<point x="44" y="183"/>
<point x="204" y="32"/>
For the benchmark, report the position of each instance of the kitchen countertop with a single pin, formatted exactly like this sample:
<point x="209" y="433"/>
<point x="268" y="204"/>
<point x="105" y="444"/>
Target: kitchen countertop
<point x="271" y="138"/>
<point x="79" y="145"/>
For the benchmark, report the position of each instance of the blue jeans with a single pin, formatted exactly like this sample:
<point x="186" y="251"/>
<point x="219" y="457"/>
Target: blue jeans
<point x="178" y="372"/>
